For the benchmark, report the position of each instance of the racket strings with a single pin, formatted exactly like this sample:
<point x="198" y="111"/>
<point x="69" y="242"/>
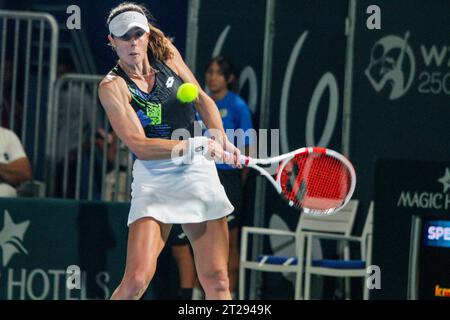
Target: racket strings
<point x="315" y="181"/>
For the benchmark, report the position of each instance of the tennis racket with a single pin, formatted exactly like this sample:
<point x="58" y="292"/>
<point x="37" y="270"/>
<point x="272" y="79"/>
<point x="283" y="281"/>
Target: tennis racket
<point x="317" y="181"/>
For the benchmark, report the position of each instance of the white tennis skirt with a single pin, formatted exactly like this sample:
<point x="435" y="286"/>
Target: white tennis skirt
<point x="177" y="193"/>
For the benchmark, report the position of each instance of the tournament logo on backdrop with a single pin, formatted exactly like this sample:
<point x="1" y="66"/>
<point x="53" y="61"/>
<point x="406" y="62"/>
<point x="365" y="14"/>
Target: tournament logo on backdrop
<point x="395" y="63"/>
<point x="445" y="180"/>
<point x="11" y="238"/>
<point x="392" y="63"/>
<point x="427" y="199"/>
<point x="35" y="278"/>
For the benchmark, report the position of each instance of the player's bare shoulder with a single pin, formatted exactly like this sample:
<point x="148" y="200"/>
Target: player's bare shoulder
<point x="112" y="81"/>
<point x="113" y="91"/>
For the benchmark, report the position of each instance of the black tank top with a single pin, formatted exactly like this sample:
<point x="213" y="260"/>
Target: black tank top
<point x="159" y="111"/>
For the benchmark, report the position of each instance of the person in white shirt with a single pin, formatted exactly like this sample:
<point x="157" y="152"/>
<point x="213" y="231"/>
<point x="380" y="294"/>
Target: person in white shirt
<point x="15" y="167"/>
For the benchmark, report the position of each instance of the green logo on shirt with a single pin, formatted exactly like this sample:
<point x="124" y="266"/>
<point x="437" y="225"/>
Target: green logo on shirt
<point x="154" y="112"/>
<point x="223" y="112"/>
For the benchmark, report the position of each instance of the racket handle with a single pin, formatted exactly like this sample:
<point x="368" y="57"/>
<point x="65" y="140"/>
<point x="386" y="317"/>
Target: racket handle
<point x="244" y="159"/>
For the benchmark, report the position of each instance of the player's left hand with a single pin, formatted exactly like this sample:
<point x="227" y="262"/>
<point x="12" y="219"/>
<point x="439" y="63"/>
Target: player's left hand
<point x="235" y="159"/>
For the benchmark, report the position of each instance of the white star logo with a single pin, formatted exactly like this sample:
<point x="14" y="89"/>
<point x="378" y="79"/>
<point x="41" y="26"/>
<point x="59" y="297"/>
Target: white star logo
<point x="445" y="180"/>
<point x="11" y="238"/>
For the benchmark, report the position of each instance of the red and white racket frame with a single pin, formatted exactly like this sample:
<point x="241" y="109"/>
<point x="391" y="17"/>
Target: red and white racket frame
<point x="285" y="158"/>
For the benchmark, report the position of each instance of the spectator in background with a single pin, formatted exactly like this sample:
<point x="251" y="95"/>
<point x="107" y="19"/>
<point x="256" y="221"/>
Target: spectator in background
<point x="106" y="145"/>
<point x="75" y="110"/>
<point x="11" y="105"/>
<point x="221" y="80"/>
<point x="15" y="167"/>
<point x="72" y="106"/>
<point x="97" y="170"/>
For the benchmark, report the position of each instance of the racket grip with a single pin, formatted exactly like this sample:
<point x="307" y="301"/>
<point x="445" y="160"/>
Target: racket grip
<point x="244" y="159"/>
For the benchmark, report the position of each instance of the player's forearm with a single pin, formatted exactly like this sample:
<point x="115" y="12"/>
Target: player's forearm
<point x="210" y="114"/>
<point x="158" y="149"/>
<point x="13" y="174"/>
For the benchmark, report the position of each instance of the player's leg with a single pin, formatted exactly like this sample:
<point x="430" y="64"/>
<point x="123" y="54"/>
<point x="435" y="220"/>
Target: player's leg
<point x="209" y="241"/>
<point x="181" y="252"/>
<point x="186" y="268"/>
<point x="146" y="239"/>
<point x="233" y="263"/>
<point x="232" y="182"/>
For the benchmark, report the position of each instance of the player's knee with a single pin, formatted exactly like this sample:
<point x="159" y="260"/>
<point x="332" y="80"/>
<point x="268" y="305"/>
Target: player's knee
<point x="137" y="286"/>
<point x="215" y="279"/>
<point x="138" y="283"/>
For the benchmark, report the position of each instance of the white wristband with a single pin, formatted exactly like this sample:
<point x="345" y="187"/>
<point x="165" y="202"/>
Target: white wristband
<point x="198" y="146"/>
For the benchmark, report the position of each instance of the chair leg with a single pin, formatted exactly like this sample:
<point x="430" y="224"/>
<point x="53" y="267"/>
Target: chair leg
<point x="347" y="283"/>
<point x="365" y="289"/>
<point x="347" y="288"/>
<point x="241" y="282"/>
<point x="307" y="285"/>
<point x="298" y="285"/>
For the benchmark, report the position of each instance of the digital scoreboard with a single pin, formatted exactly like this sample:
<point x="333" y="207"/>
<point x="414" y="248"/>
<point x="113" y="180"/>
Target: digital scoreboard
<point x="430" y="259"/>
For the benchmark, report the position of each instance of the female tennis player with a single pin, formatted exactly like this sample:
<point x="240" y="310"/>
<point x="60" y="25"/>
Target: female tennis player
<point x="139" y="97"/>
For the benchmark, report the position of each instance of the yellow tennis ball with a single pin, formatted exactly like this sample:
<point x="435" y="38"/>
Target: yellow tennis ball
<point x="187" y="92"/>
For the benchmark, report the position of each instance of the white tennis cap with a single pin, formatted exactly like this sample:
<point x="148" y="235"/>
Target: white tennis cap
<point x="123" y="22"/>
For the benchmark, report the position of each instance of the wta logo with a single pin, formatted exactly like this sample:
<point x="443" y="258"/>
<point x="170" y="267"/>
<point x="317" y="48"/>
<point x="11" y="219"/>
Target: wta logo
<point x="392" y="63"/>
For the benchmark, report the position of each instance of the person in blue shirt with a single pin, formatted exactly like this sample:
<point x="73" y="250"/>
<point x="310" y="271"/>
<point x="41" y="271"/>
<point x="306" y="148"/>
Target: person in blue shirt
<point x="221" y="79"/>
